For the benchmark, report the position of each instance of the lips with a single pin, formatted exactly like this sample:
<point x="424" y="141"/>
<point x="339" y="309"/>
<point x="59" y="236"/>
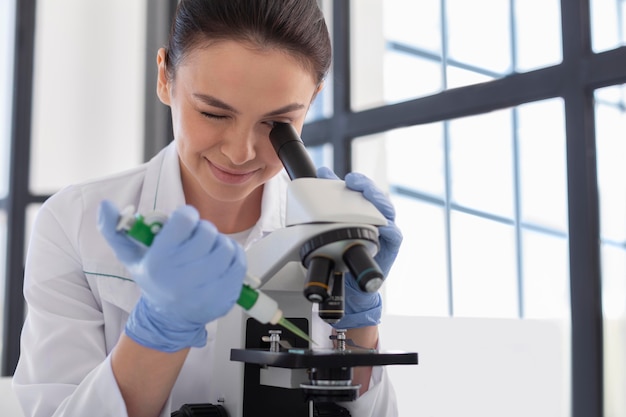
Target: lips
<point x="230" y="176"/>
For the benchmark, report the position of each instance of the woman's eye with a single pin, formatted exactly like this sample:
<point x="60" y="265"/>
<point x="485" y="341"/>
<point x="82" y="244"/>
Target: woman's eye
<point x="213" y="116"/>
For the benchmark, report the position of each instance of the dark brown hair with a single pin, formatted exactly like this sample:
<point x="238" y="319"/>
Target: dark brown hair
<point x="294" y="26"/>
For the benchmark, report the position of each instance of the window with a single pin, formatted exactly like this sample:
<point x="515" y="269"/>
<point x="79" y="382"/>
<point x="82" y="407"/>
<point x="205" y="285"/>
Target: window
<point x="429" y="46"/>
<point x="78" y="88"/>
<point x="97" y="66"/>
<point x="478" y="126"/>
<point x="607" y="24"/>
<point x="611" y="153"/>
<point x="483" y="202"/>
<point x="7" y="28"/>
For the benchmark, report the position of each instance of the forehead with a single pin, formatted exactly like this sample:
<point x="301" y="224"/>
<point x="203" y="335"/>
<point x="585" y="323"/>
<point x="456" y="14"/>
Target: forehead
<point x="217" y="47"/>
<point x="237" y="69"/>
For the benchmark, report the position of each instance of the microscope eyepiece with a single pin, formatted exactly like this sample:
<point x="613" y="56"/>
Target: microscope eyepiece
<point x="292" y="152"/>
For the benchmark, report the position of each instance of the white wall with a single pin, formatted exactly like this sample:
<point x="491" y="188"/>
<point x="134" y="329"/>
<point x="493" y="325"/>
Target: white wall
<point x="480" y="367"/>
<point x="8" y="402"/>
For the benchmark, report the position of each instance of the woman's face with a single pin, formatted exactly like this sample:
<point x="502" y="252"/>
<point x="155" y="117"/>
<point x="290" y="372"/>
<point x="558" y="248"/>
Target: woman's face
<point x="223" y="100"/>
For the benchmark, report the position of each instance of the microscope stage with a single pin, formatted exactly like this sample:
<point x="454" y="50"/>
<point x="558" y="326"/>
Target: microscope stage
<point x="322" y="358"/>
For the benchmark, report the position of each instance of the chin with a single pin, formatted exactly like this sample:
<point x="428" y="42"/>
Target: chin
<point x="231" y="194"/>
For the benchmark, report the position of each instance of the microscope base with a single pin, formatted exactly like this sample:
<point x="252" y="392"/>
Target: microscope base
<point x="329" y="374"/>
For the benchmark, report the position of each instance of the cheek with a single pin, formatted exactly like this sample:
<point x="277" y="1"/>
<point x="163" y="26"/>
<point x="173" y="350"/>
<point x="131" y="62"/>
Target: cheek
<point x="192" y="130"/>
<point x="266" y="152"/>
<point x="271" y="158"/>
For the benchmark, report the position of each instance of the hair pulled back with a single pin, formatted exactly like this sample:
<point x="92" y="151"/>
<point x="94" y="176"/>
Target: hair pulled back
<point x="294" y="26"/>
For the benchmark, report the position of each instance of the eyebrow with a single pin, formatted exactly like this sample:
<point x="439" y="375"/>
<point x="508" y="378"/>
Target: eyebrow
<point x="215" y="102"/>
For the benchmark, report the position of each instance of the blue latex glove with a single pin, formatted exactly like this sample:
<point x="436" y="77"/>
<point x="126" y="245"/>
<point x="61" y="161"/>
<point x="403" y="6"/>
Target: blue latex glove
<point x="189" y="276"/>
<point x="362" y="308"/>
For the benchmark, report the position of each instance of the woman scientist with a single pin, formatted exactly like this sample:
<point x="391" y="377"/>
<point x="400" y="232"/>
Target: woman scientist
<point x="115" y="331"/>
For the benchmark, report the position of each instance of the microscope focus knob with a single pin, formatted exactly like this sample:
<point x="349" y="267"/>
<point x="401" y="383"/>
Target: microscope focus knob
<point x="366" y="271"/>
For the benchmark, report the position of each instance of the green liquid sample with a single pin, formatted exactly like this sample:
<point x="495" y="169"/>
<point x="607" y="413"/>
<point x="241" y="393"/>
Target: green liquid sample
<point x="295" y="330"/>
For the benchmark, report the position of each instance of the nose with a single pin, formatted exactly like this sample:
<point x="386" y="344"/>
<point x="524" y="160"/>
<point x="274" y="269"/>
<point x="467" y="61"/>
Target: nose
<point x="239" y="145"/>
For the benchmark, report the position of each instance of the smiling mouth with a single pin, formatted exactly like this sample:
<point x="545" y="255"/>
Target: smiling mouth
<point x="228" y="176"/>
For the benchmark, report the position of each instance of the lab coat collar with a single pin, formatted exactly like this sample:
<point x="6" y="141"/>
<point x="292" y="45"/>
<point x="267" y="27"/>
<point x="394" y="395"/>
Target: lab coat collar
<point x="273" y="208"/>
<point x="163" y="188"/>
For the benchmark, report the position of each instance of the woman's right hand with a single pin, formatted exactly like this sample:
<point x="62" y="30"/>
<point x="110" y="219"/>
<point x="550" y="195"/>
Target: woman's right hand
<point x="189" y="276"/>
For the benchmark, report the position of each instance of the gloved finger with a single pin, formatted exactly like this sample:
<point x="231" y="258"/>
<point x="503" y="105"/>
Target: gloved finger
<point x="326" y="173"/>
<point x="125" y="249"/>
<point x="199" y="245"/>
<point x="179" y="228"/>
<point x="391" y="236"/>
<point x="232" y="256"/>
<point x="359" y="182"/>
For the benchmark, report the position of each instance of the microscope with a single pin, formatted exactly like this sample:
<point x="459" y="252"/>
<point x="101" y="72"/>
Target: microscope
<point x="266" y="370"/>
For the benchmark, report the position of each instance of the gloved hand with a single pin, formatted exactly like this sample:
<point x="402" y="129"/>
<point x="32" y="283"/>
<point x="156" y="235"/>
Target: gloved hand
<point x="361" y="308"/>
<point x="189" y="276"/>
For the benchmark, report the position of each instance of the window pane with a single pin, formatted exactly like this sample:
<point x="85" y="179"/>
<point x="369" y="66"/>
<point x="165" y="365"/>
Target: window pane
<point x="545" y="277"/>
<point x="607" y="24"/>
<point x="88" y="90"/>
<point x="417" y="158"/>
<point x="542" y="164"/>
<point x="459" y="76"/>
<point x="484" y="267"/>
<point x="395" y="51"/>
<point x="322" y="106"/>
<point x="7" y="38"/>
<point x="479" y="39"/>
<point x="401" y="82"/>
<point x="3" y="251"/>
<point x="418" y="282"/>
<point x="412" y="23"/>
<point x="481" y="161"/>
<point x="611" y="154"/>
<point x="7" y="28"/>
<point x="412" y="32"/>
<point x="503" y="182"/>
<point x="409" y="163"/>
<point x="397" y="46"/>
<point x="614" y="325"/>
<point x="321" y="155"/>
<point x="538" y="34"/>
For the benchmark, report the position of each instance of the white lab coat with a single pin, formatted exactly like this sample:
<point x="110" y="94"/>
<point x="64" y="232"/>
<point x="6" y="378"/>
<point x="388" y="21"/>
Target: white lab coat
<point x="79" y="297"/>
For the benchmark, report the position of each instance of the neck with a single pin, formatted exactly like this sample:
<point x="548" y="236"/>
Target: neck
<point x="228" y="217"/>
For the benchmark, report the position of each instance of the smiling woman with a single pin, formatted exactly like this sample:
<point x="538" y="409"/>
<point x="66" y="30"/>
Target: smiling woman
<point x="222" y="119"/>
<point x="140" y="331"/>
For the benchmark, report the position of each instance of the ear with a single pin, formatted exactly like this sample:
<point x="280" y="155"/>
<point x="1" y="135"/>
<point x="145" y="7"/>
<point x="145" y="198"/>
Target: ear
<point x="163" y="84"/>
<point x="316" y="92"/>
<point x="319" y="88"/>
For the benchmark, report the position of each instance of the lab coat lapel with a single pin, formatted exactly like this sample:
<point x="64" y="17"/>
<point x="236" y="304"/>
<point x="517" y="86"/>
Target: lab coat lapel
<point x="162" y="189"/>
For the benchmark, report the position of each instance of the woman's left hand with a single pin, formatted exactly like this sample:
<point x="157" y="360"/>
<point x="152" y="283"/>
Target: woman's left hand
<point x="361" y="308"/>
